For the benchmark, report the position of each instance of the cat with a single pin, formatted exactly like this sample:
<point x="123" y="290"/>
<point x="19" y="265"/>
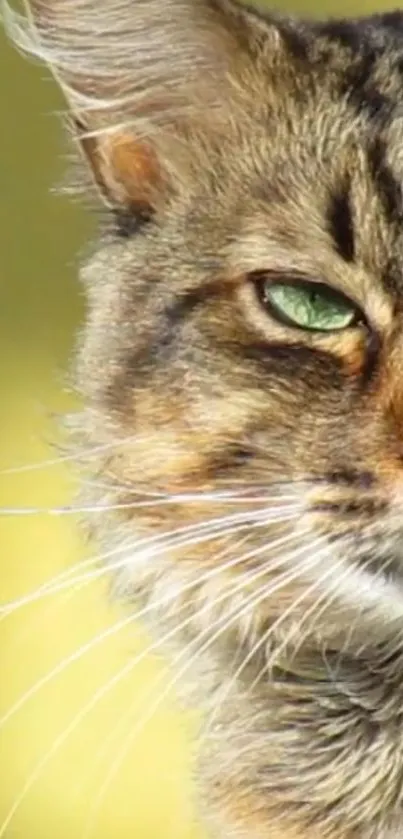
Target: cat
<point x="241" y="372"/>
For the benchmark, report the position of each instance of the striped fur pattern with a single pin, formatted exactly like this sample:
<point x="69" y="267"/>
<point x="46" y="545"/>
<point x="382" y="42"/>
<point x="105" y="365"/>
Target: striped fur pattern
<point x="230" y="146"/>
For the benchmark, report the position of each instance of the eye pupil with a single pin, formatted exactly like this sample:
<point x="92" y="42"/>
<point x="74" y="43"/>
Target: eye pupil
<point x="308" y="305"/>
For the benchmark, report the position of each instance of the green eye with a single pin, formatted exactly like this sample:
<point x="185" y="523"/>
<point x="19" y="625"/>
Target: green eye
<point x="309" y="305"/>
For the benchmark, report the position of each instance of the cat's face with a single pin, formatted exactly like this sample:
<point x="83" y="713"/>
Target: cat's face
<point x="243" y="357"/>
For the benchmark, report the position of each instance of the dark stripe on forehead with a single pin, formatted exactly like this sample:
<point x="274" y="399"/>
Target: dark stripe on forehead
<point x="363" y="94"/>
<point x="295" y="41"/>
<point x="363" y="50"/>
<point x="376" y="30"/>
<point x="341" y="223"/>
<point x="374" y="104"/>
<point x="360" y="88"/>
<point x="295" y="34"/>
<point x="347" y="33"/>
<point x="387" y="187"/>
<point x="357" y="75"/>
<point x="392" y="22"/>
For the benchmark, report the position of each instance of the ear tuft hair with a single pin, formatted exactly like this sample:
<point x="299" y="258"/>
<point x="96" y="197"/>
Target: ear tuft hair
<point x="138" y="60"/>
<point x="134" y="72"/>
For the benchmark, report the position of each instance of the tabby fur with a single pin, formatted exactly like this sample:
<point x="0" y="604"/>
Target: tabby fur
<point x="230" y="144"/>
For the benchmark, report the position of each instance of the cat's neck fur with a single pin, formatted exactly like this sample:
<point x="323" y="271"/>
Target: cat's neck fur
<point x="300" y="724"/>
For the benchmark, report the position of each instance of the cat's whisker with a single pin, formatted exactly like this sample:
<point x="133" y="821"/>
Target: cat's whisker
<point x="325" y="600"/>
<point x="107" y="741"/>
<point x="212" y="527"/>
<point x="63" y="665"/>
<point x="57" y="584"/>
<point x="293" y="634"/>
<point x="71" y="510"/>
<point x="58" y="742"/>
<point x="94" y="642"/>
<point x="79" y="455"/>
<point x="235" y="614"/>
<point x="114" y="768"/>
<point x="33" y="623"/>
<point x="395" y="644"/>
<point x="223" y="484"/>
<point x="89" y="452"/>
<point x="90" y="645"/>
<point x="279" y="583"/>
<point x="354" y="623"/>
<point x="333" y="667"/>
<point x="63" y="580"/>
<point x="114" y="732"/>
<point x="129" y="550"/>
<point x="336" y="592"/>
<point x="117" y="762"/>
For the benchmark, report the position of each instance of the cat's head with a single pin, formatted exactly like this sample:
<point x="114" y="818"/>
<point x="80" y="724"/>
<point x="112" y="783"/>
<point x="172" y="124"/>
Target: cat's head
<point x="243" y="357"/>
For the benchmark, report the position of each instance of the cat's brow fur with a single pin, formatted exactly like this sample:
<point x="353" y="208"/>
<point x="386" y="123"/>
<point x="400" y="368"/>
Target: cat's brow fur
<point x="240" y="144"/>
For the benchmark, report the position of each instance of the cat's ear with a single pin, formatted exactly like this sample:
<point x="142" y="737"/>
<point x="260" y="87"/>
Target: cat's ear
<point x="133" y="71"/>
<point x="126" y="169"/>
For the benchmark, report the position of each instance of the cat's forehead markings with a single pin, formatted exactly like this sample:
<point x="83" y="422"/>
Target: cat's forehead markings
<point x="380" y="227"/>
<point x="259" y="250"/>
<point x="340" y="221"/>
<point x="387" y="185"/>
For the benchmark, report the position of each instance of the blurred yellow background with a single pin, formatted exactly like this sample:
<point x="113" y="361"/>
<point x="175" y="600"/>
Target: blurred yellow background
<point x="75" y="758"/>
